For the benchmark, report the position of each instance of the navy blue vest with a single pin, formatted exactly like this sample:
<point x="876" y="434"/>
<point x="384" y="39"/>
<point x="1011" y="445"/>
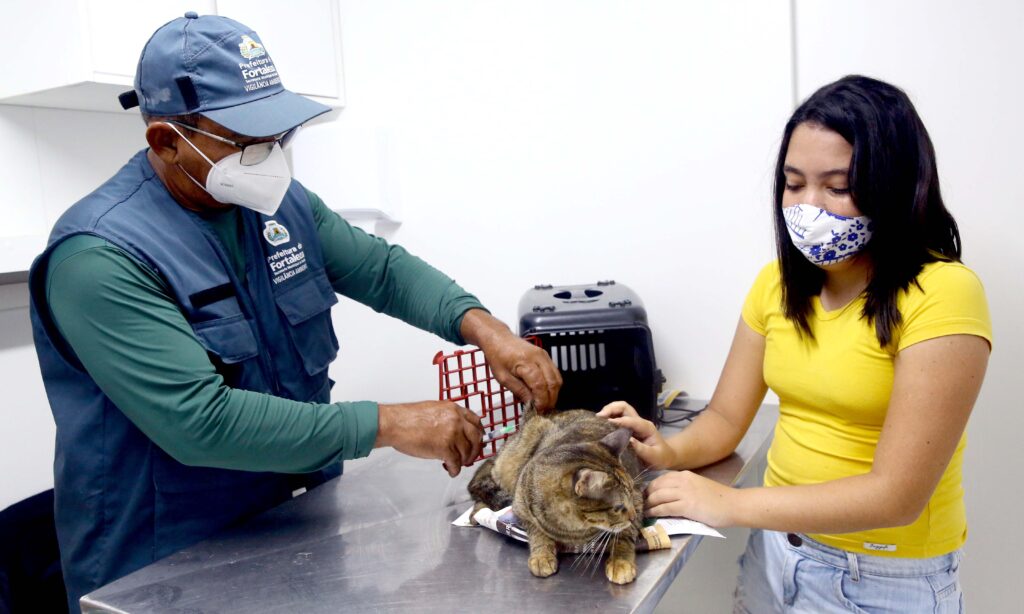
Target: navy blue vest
<point x="121" y="501"/>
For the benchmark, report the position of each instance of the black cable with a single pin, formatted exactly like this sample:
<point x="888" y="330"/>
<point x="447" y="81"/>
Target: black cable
<point x="690" y="414"/>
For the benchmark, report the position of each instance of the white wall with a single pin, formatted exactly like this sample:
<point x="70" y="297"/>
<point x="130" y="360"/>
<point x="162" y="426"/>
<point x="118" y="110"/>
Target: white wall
<point x="961" y="64"/>
<point x="571" y="141"/>
<point x="49" y="160"/>
<point x="566" y="142"/>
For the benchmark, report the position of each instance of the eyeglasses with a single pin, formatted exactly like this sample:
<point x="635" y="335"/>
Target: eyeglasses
<point x="252" y="153"/>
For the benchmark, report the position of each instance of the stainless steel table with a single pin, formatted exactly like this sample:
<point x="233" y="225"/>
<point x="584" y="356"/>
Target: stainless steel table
<point x="380" y="539"/>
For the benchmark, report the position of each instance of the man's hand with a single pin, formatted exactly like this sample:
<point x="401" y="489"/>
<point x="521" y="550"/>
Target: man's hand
<point x="520" y="366"/>
<point x="431" y="429"/>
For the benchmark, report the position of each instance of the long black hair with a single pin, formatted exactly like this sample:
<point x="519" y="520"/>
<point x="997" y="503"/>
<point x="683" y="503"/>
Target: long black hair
<point x="893" y="180"/>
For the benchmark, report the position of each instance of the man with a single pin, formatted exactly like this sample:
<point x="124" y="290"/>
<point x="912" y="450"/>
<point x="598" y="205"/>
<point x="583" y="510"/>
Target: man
<point x="181" y="315"/>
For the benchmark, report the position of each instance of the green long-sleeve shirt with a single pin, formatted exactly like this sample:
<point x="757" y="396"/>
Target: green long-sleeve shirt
<point x="124" y="325"/>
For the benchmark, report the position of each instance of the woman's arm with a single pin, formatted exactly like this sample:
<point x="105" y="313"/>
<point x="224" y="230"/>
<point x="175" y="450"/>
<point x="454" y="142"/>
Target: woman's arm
<point x="717" y="431"/>
<point x="935" y="387"/>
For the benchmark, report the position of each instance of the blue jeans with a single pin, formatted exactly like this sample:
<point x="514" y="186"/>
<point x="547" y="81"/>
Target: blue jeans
<point x="790" y="573"/>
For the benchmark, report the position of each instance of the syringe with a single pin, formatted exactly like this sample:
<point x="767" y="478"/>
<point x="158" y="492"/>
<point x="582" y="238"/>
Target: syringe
<point x="490" y="436"/>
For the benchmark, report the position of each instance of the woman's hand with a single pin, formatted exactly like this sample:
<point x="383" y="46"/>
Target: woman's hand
<point x="684" y="493"/>
<point x="648" y="444"/>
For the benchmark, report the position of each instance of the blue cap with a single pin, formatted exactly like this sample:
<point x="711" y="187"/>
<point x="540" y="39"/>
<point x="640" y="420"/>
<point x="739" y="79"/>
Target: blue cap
<point x="218" y="68"/>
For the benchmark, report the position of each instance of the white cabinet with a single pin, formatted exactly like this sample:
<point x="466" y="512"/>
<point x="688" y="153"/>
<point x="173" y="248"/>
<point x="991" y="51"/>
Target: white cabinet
<point x="81" y="54"/>
<point x="304" y="38"/>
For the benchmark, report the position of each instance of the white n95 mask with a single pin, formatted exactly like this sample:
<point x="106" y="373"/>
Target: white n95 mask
<point x="826" y="238"/>
<point x="260" y="187"/>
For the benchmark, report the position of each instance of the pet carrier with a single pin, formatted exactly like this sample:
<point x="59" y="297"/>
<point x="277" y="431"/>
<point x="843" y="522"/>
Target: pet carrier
<point x="598" y="337"/>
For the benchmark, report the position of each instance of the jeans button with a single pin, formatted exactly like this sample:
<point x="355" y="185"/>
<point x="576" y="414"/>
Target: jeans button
<point x="794" y="539"/>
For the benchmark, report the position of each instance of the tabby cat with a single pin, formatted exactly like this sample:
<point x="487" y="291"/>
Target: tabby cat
<point x="571" y="479"/>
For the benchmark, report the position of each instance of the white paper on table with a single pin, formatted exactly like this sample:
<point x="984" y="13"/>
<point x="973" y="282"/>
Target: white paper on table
<point x="685" y="526"/>
<point x="463" y="519"/>
<point x="673" y="526"/>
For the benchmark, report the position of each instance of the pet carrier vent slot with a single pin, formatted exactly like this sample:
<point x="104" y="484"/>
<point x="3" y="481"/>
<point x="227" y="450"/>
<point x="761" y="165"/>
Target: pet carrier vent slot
<point x="578" y="357"/>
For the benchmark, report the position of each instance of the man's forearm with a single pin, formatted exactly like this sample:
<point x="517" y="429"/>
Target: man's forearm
<point x="483" y="330"/>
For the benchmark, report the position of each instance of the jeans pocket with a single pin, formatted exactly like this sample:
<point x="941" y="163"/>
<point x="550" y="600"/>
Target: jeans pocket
<point x="847" y="591"/>
<point x="947" y="590"/>
<point x="911" y="594"/>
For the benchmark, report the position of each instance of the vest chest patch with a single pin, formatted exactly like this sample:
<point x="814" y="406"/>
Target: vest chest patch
<point x="287" y="263"/>
<point x="275" y="233"/>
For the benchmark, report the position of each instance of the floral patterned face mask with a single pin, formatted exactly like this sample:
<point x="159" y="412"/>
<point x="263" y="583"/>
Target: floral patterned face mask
<point x="826" y="238"/>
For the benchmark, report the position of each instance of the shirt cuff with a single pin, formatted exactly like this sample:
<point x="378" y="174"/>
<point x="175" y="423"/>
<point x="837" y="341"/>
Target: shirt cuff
<point x="456" y="333"/>
<point x="360" y="439"/>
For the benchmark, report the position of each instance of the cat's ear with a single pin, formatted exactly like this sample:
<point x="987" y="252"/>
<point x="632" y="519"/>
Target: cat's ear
<point x="590" y="483"/>
<point x="617" y="440"/>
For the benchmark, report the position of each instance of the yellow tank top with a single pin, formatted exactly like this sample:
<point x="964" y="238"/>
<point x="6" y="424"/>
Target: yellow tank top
<point x="834" y="394"/>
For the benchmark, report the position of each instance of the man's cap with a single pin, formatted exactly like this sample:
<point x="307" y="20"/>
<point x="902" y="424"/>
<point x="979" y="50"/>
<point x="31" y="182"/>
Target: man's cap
<point x="218" y="68"/>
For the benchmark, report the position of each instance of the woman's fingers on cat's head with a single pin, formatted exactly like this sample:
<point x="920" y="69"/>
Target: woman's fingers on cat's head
<point x="641" y="428"/>
<point x="648" y="455"/>
<point x="616" y="409"/>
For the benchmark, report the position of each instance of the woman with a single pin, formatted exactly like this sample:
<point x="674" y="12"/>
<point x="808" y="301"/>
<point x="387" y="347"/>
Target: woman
<point x="875" y="338"/>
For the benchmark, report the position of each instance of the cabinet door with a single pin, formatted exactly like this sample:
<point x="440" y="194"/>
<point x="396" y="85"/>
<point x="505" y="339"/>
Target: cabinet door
<point x="118" y="29"/>
<point x="303" y="38"/>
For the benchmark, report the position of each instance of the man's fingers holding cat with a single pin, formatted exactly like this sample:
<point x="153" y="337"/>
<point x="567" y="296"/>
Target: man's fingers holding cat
<point x="525" y="369"/>
<point x="516" y="386"/>
<point x="536" y="382"/>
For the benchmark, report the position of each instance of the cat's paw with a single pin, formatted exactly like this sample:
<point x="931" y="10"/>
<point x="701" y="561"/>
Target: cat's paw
<point x="543" y="565"/>
<point x="619" y="571"/>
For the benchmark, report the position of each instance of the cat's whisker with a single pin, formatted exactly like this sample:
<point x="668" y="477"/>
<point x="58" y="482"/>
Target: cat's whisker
<point x="600" y="555"/>
<point x="589" y="556"/>
<point x="595" y="557"/>
<point x="641" y="475"/>
<point x="586" y="549"/>
<point x="592" y="547"/>
<point x="579" y="559"/>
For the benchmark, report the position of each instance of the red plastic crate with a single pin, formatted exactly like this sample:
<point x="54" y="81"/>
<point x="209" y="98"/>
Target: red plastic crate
<point x="465" y="378"/>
